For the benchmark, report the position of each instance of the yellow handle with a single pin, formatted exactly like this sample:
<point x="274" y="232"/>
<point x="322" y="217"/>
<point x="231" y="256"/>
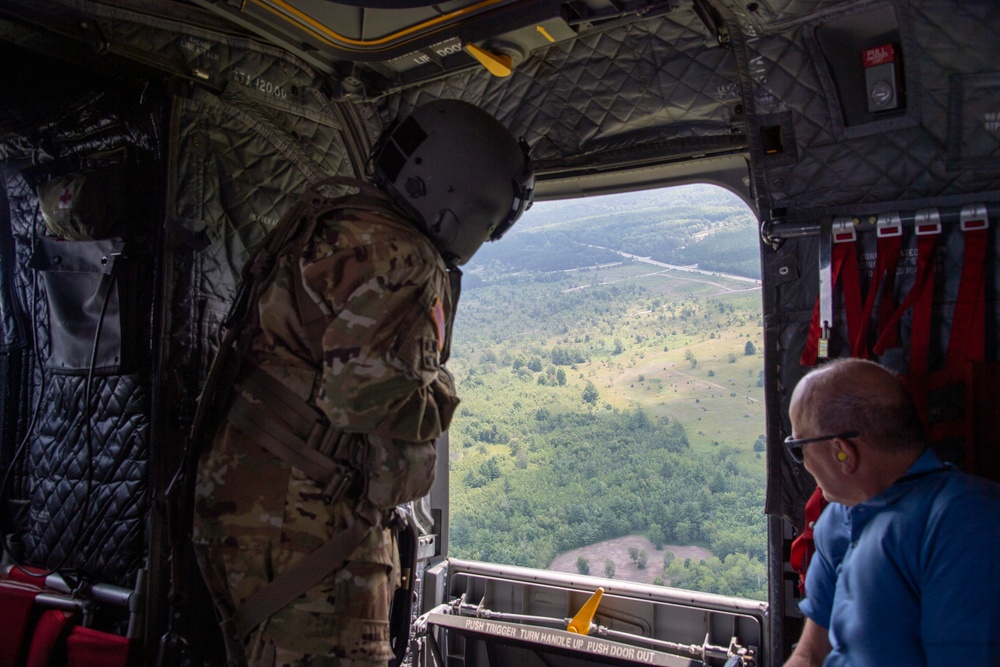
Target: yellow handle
<point x="496" y="63"/>
<point x="580" y="624"/>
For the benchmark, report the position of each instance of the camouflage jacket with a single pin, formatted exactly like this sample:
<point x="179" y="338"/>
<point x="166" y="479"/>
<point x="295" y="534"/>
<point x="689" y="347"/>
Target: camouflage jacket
<point x="357" y="325"/>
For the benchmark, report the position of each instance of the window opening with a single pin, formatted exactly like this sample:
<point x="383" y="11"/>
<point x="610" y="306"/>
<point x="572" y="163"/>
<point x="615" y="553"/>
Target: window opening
<point x="609" y="356"/>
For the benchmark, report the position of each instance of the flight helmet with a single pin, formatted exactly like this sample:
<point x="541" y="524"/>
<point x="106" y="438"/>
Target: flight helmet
<point x="460" y="173"/>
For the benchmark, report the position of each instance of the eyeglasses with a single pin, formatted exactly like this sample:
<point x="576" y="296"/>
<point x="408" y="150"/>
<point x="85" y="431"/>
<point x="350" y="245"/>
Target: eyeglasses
<point x="794" y="445"/>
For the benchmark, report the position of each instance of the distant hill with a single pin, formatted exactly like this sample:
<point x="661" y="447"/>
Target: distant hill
<point x="701" y="225"/>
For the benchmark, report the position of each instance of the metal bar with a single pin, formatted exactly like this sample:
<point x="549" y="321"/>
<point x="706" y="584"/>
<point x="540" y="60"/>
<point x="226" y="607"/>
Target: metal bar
<point x="774" y="231"/>
<point x="107" y="593"/>
<point x="479" y="612"/>
<point x="703" y="651"/>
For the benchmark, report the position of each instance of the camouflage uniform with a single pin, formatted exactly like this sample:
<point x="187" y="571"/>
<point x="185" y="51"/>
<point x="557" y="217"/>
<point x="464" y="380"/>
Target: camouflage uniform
<point x="355" y="326"/>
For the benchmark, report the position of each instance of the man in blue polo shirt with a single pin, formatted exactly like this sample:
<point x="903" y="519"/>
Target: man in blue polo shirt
<point x="907" y="562"/>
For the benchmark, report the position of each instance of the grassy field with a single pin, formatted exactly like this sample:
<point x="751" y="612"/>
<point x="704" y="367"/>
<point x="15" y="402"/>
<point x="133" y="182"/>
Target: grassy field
<point x="717" y="398"/>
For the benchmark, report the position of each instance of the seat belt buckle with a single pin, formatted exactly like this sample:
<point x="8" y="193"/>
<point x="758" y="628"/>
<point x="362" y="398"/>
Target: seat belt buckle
<point x="927" y="222"/>
<point x="843" y="230"/>
<point x="974" y="217"/>
<point x="888" y="225"/>
<point x="823" y="344"/>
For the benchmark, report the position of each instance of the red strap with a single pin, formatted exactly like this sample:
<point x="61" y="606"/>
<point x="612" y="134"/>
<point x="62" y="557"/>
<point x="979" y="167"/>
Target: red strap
<point x="966" y="343"/>
<point x="925" y="273"/>
<point x="23" y="573"/>
<point x="843" y="253"/>
<point x="851" y="282"/>
<point x="920" y="331"/>
<point x="16" y="600"/>
<point x="885" y="265"/>
<point x="48" y="631"/>
<point x="91" y="648"/>
<point x="803" y="547"/>
<point x="968" y="324"/>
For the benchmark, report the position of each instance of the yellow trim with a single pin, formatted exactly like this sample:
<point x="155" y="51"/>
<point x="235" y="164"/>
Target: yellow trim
<point x="321" y="32"/>
<point x="545" y="33"/>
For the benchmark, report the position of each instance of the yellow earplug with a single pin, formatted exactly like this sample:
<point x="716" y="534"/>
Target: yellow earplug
<point x="841" y="456"/>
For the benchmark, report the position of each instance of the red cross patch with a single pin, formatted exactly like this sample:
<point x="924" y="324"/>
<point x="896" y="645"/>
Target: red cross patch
<point x="66" y="198"/>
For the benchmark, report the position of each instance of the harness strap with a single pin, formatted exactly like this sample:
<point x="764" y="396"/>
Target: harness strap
<point x="967" y="340"/>
<point x="925" y="278"/>
<point x="296" y="580"/>
<point x="890" y="240"/>
<point x="966" y="343"/>
<point x="843" y="253"/>
<point x="293" y="410"/>
<point x="278" y="439"/>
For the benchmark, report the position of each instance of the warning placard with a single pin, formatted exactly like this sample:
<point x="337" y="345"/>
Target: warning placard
<point x="559" y="639"/>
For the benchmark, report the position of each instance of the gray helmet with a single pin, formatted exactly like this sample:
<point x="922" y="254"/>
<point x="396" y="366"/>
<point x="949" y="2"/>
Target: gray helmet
<point x="462" y="175"/>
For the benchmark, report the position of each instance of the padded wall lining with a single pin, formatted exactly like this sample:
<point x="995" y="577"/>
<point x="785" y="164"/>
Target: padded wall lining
<point x="84" y="470"/>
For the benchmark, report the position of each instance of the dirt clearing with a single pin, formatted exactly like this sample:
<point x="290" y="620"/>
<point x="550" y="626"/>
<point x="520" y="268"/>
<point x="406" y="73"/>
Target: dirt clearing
<point x="618" y="551"/>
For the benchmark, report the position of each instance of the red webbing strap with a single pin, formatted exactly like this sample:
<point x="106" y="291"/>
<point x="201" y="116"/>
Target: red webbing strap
<point x="925" y="274"/>
<point x="16" y="600"/>
<point x="90" y="648"/>
<point x="851" y="284"/>
<point x="966" y="343"/>
<point x="968" y="326"/>
<point x="843" y="253"/>
<point x="23" y="573"/>
<point x="920" y="331"/>
<point x="50" y="629"/>
<point x="804" y="546"/>
<point x="886" y="261"/>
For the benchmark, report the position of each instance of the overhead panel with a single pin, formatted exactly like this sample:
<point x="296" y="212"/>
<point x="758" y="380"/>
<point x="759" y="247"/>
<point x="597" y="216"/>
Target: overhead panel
<point x="377" y="49"/>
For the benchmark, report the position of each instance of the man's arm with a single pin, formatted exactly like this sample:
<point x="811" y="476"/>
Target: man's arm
<point x="813" y="646"/>
<point x="381" y="369"/>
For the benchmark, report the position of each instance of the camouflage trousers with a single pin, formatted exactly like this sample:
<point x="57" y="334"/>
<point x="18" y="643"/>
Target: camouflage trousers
<point x="255" y="517"/>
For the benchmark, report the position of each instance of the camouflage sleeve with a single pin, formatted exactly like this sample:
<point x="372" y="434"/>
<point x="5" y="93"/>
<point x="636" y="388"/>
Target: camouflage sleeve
<point x="382" y="373"/>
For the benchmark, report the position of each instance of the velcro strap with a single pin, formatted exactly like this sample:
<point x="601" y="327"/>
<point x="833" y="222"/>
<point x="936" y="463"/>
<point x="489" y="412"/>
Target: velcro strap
<point x="297" y="579"/>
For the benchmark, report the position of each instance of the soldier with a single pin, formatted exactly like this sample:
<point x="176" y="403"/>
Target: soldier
<point x="341" y="391"/>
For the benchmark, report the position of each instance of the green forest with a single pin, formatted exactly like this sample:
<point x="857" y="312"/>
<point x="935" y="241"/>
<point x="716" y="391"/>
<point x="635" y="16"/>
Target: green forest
<point x="608" y="356"/>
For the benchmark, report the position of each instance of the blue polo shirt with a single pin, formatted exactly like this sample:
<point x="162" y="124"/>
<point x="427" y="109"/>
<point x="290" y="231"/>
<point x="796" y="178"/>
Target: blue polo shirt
<point x="911" y="576"/>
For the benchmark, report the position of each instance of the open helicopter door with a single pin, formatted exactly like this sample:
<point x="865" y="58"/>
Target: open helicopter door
<point x="489" y="615"/>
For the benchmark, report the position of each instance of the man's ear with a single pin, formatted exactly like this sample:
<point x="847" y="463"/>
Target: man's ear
<point x="846" y="453"/>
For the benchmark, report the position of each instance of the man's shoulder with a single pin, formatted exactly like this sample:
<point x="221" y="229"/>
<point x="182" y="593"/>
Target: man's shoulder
<point x="383" y="234"/>
<point x="833" y="523"/>
<point x="971" y="493"/>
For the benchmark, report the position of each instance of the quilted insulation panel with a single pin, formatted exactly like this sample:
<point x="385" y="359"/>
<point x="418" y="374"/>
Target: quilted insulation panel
<point x="836" y="165"/>
<point x="238" y="156"/>
<point x="599" y="99"/>
<point x="81" y="458"/>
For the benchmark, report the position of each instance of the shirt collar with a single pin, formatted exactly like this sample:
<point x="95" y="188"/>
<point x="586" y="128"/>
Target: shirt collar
<point x="926" y="463"/>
